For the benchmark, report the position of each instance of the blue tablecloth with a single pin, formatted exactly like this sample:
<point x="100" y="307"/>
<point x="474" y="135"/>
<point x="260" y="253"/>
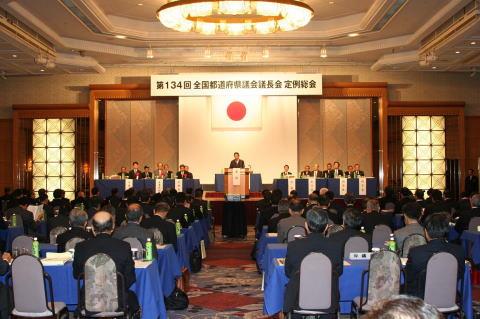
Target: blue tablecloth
<point x="182" y="251"/>
<point x="9" y="234"/>
<point x="333" y="184"/>
<point x="471" y="245"/>
<point x="255" y="183"/>
<point x="191" y="238"/>
<point x="206" y="225"/>
<point x="273" y="251"/>
<point x="267" y="238"/>
<point x="168" y="268"/>
<point x="105" y="185"/>
<point x="47" y="248"/>
<point x="349" y="285"/>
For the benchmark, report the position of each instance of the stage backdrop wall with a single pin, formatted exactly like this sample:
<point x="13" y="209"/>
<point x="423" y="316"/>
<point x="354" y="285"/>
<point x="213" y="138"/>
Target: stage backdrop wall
<point x="142" y="131"/>
<point x="335" y="130"/>
<point x="266" y="141"/>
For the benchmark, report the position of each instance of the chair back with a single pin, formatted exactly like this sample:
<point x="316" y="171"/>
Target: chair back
<point x="381" y="233"/>
<point x="474" y="224"/>
<point x="411" y="241"/>
<point x="384" y="276"/>
<point x="134" y="243"/>
<point x="101" y="285"/>
<point x="294" y="231"/>
<point x="157" y="236"/>
<point x="315" y="282"/>
<point x="55" y="232"/>
<point x="23" y="244"/>
<point x="71" y="243"/>
<point x="441" y="280"/>
<point x="28" y="285"/>
<point x="355" y="244"/>
<point x="332" y="229"/>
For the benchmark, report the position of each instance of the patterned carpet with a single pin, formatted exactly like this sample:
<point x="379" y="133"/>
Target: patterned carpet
<point x="228" y="286"/>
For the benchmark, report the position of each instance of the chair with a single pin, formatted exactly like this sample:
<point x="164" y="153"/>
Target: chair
<point x="134" y="243"/>
<point x="355" y="244"/>
<point x="474" y="224"/>
<point x="23" y="244"/>
<point x="384" y="273"/>
<point x="102" y="296"/>
<point x="55" y="232"/>
<point x="332" y="229"/>
<point x="411" y="241"/>
<point x="71" y="243"/>
<point x="441" y="283"/>
<point x="315" y="295"/>
<point x="381" y="234"/>
<point x="389" y="208"/>
<point x="30" y="290"/>
<point x="295" y="231"/>
<point x="157" y="236"/>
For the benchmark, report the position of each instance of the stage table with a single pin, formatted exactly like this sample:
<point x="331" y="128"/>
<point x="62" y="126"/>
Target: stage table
<point x="349" y="286"/>
<point x="333" y="184"/>
<point x="105" y="186"/>
<point x="471" y="245"/>
<point x="168" y="268"/>
<point x="267" y="238"/>
<point x="255" y="183"/>
<point x="9" y="234"/>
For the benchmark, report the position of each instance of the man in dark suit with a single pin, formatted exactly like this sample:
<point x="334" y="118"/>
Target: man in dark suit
<point x="182" y="173"/>
<point x="160" y="222"/>
<point x="420" y="197"/>
<point x="123" y="173"/>
<point x="437" y="205"/>
<point x="436" y="230"/>
<point x="286" y="173"/>
<point x="146" y="172"/>
<point x="179" y="211"/>
<point x="20" y="210"/>
<point x="237" y="162"/>
<point x="373" y="217"/>
<point x="135" y="173"/>
<point x="328" y="173"/>
<point x="189" y="174"/>
<point x="78" y="221"/>
<point x="317" y="173"/>
<point x="4" y="302"/>
<point x="357" y="172"/>
<point x="471" y="183"/>
<point x="167" y="171"/>
<point x="96" y="199"/>
<point x="306" y="172"/>
<point x="352" y="220"/>
<point x="117" y="249"/>
<point x="315" y="241"/>
<point x="465" y="216"/>
<point x="198" y="205"/>
<point x="349" y="173"/>
<point x="114" y="199"/>
<point x="337" y="172"/>
<point x="133" y="229"/>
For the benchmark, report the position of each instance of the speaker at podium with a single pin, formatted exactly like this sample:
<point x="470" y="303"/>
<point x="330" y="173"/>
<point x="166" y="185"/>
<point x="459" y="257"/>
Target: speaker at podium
<point x="237" y="188"/>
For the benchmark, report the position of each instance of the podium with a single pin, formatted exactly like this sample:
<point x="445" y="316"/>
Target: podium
<point x="237" y="182"/>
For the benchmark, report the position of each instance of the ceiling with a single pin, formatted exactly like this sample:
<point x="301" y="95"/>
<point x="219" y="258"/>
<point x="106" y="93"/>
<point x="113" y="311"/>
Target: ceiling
<point x="81" y="36"/>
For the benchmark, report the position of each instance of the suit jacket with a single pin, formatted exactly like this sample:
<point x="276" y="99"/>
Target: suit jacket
<point x="436" y="207"/>
<point x="135" y="230"/>
<point x="117" y="249"/>
<point x="29" y="224"/>
<point x="123" y="175"/>
<point x="185" y="174"/>
<point x="285" y="224"/>
<point x="147" y="175"/>
<point x="58" y="221"/>
<point x="345" y="234"/>
<point x="234" y="164"/>
<point x="402" y="233"/>
<point x="200" y="208"/>
<point x="296" y="251"/>
<point x="275" y="219"/>
<point x="417" y="264"/>
<point x="284" y="175"/>
<point x="165" y="227"/>
<point x="71" y="233"/>
<point x="370" y="220"/>
<point x="133" y="175"/>
<point x="464" y="219"/>
<point x="328" y="173"/>
<point x="471" y="184"/>
<point x="306" y="174"/>
<point x="317" y="173"/>
<point x="178" y="213"/>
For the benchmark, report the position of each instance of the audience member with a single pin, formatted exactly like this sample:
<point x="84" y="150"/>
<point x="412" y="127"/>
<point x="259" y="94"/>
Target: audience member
<point x="373" y="217"/>
<point x="388" y="197"/>
<point x="199" y="206"/>
<point x="78" y="221"/>
<point x="295" y="210"/>
<point x="160" y="222"/>
<point x="403" y="307"/>
<point x="20" y="210"/>
<point x="465" y="216"/>
<point x="411" y="213"/>
<point x="352" y="221"/>
<point x="283" y="211"/>
<point x="179" y="211"/>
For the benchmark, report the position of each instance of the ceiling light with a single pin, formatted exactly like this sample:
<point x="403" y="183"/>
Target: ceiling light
<point x="42" y="70"/>
<point x="434" y="67"/>
<point x="150" y="53"/>
<point x="140" y="4"/>
<point x="265" y="53"/>
<point x="352" y="35"/>
<point x="234" y="17"/>
<point x="457" y="52"/>
<point x="331" y="2"/>
<point x="323" y="53"/>
<point x="14" y="55"/>
<point x="207" y="53"/>
<point x="119" y="36"/>
<point x="473" y="43"/>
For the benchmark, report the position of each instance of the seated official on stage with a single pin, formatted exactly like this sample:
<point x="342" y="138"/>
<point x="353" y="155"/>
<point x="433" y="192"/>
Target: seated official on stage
<point x="317" y="173"/>
<point x="306" y="172"/>
<point x="337" y="172"/>
<point x="286" y="173"/>
<point x="135" y="173"/>
<point x="123" y="173"/>
<point x="146" y="172"/>
<point x="168" y="172"/>
<point x="328" y="173"/>
<point x="237" y="162"/>
<point x="357" y="172"/>
<point x="189" y="174"/>
<point x="183" y="173"/>
<point x="349" y="172"/>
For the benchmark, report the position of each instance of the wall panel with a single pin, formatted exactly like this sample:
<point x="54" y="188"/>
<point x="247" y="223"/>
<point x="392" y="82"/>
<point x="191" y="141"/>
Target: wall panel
<point x="6" y="157"/>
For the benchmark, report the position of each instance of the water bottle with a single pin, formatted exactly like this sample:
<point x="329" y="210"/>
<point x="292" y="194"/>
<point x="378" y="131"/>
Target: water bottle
<point x="82" y="207"/>
<point x="178" y="227"/>
<point x="35" y="247"/>
<point x="362" y="229"/>
<point x="14" y="220"/>
<point x="149" y="250"/>
<point x="186" y="217"/>
<point x="392" y="245"/>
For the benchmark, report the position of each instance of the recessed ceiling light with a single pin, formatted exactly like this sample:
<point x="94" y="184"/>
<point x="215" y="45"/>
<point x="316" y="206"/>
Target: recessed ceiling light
<point x="434" y="67"/>
<point x="473" y="43"/>
<point x="119" y="36"/>
<point x="140" y="4"/>
<point x="331" y="2"/>
<point x="42" y="70"/>
<point x="457" y="52"/>
<point x="14" y="55"/>
<point x="352" y="35"/>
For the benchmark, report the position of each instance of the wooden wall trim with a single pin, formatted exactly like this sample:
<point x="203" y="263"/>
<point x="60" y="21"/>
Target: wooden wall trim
<point x="49" y="106"/>
<point x="394" y="104"/>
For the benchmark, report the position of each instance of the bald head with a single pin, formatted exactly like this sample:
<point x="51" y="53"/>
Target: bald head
<point x="102" y="222"/>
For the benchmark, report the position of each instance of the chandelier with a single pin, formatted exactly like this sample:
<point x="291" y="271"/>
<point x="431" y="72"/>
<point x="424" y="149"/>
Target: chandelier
<point x="234" y="17"/>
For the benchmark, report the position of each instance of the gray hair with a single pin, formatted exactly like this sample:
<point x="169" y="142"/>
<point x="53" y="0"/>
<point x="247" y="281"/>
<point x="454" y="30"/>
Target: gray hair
<point x="283" y="206"/>
<point x="77" y="217"/>
<point x="372" y="205"/>
<point x="475" y="200"/>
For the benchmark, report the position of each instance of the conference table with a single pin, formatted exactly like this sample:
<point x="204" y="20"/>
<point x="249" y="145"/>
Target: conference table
<point x="333" y="184"/>
<point x="189" y="240"/>
<point x="9" y="234"/>
<point x="275" y="281"/>
<point x="471" y="245"/>
<point x="105" y="186"/>
<point x="255" y="183"/>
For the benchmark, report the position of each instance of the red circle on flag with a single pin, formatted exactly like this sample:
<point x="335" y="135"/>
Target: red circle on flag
<point x="236" y="111"/>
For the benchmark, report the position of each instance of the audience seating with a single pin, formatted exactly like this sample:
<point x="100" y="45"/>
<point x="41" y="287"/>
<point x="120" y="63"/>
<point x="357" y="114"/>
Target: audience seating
<point x="295" y="231"/>
<point x="71" y="243"/>
<point x="22" y="244"/>
<point x="355" y="244"/>
<point x="134" y="243"/>
<point x="381" y="234"/>
<point x="474" y="224"/>
<point x="411" y="241"/>
<point x="332" y="229"/>
<point x="55" y="232"/>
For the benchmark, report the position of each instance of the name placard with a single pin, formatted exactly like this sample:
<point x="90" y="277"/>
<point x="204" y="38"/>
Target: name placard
<point x="208" y="84"/>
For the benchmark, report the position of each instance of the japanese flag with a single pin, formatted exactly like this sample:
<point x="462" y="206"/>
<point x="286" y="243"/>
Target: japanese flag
<point x="236" y="112"/>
